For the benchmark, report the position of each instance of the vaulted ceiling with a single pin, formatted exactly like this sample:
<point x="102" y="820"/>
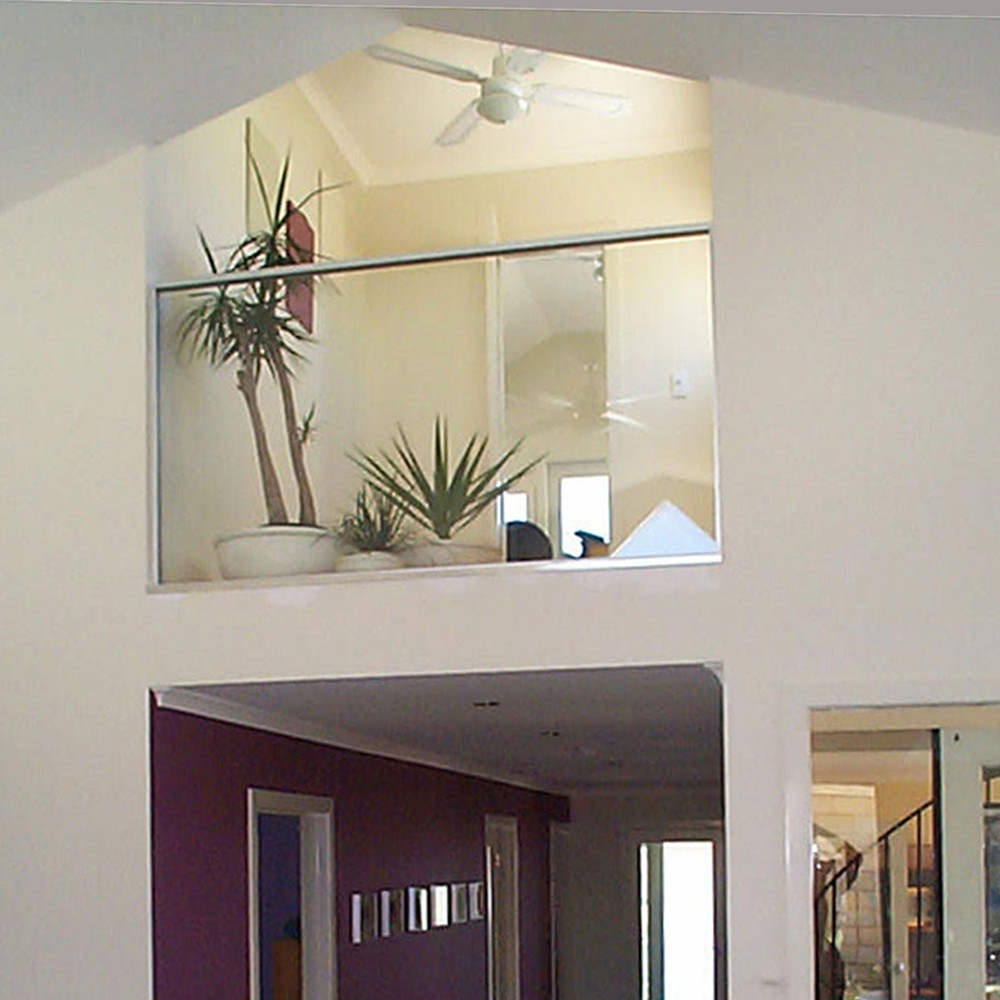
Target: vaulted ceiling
<point x="385" y="117"/>
<point x="84" y="82"/>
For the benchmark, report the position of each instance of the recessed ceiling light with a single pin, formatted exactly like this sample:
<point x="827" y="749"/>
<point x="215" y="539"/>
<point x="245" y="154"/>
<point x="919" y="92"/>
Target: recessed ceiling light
<point x="552" y="733"/>
<point x="486" y="703"/>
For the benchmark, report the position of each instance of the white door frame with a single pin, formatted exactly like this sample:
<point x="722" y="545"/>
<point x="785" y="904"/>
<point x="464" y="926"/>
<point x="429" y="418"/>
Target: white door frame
<point x="316" y="865"/>
<point x="964" y="754"/>
<point x="503" y="914"/>
<point x="713" y="831"/>
<point x="792" y="974"/>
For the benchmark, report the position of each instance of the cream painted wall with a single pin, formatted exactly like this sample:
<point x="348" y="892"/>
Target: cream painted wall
<point x="896" y="799"/>
<point x="544" y="203"/>
<point x="659" y="322"/>
<point x="424" y="355"/>
<point x="857" y="353"/>
<point x="531" y="204"/>
<point x="856" y="306"/>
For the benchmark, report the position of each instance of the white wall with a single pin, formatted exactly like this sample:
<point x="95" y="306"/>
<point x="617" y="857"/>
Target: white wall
<point x="856" y="305"/>
<point x="856" y="298"/>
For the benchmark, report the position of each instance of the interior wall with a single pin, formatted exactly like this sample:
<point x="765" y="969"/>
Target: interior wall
<point x="532" y="204"/>
<point x="396" y="825"/>
<point x="896" y="799"/>
<point x="425" y="355"/>
<point x="856" y="359"/>
<point x="856" y="308"/>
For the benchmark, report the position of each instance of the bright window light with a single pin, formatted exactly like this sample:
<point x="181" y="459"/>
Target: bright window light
<point x="514" y="507"/>
<point x="688" y="921"/>
<point x="584" y="505"/>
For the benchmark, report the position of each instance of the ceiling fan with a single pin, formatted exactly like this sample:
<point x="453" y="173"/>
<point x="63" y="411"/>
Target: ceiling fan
<point x="503" y="95"/>
<point x="588" y="407"/>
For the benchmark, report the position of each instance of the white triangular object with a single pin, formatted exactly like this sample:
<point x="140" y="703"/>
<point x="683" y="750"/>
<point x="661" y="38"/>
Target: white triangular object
<point x="666" y="531"/>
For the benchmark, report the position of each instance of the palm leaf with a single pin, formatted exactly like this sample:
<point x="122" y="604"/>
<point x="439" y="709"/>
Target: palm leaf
<point x="441" y="499"/>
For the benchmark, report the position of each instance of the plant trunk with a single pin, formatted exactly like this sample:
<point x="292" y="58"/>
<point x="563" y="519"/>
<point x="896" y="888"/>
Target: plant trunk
<point x="307" y="505"/>
<point x="277" y="513"/>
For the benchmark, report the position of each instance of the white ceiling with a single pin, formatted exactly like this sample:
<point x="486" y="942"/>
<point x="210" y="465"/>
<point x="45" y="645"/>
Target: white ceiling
<point x="561" y="730"/>
<point x="871" y="767"/>
<point x="82" y="82"/>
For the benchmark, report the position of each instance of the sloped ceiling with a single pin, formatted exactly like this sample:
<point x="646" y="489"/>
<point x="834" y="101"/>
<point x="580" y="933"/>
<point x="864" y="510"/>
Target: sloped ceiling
<point x="82" y="82"/>
<point x="386" y="117"/>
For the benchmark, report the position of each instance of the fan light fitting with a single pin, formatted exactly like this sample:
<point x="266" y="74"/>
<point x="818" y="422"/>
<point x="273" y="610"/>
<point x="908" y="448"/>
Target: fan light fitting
<point x="503" y="100"/>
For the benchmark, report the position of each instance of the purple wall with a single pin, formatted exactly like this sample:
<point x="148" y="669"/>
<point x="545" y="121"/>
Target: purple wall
<point x="396" y="825"/>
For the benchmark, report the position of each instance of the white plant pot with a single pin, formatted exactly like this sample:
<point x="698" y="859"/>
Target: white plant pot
<point x="448" y="552"/>
<point x="276" y="550"/>
<point x="355" y="562"/>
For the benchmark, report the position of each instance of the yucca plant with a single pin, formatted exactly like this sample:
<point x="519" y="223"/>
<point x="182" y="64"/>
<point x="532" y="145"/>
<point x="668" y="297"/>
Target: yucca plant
<point x="251" y="326"/>
<point x="442" y="499"/>
<point x="376" y="524"/>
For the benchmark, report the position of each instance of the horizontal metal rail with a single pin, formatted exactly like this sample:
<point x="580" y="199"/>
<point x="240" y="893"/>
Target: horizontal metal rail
<point x="550" y="244"/>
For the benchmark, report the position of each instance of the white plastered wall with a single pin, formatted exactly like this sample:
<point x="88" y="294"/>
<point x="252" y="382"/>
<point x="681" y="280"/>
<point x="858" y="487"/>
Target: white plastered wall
<point x="857" y="352"/>
<point x="856" y="306"/>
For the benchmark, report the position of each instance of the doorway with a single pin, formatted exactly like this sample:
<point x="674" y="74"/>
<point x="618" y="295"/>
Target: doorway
<point x="681" y="925"/>
<point x="923" y="883"/>
<point x="291" y="897"/>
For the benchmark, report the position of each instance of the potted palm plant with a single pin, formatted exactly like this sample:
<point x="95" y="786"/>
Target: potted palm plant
<point x="372" y="533"/>
<point x="250" y="326"/>
<point x="443" y="499"/>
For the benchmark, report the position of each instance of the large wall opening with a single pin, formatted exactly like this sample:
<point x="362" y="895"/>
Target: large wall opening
<point x="904" y="843"/>
<point x="578" y="762"/>
<point x="507" y="284"/>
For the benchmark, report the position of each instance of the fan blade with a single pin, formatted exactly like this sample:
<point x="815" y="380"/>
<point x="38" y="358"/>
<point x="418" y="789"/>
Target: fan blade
<point x="631" y="400"/>
<point x="545" y="399"/>
<point x="460" y="126"/>
<point x="522" y="61"/>
<point x="610" y="105"/>
<point x="620" y="418"/>
<point x="412" y="61"/>
<point x="560" y="402"/>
